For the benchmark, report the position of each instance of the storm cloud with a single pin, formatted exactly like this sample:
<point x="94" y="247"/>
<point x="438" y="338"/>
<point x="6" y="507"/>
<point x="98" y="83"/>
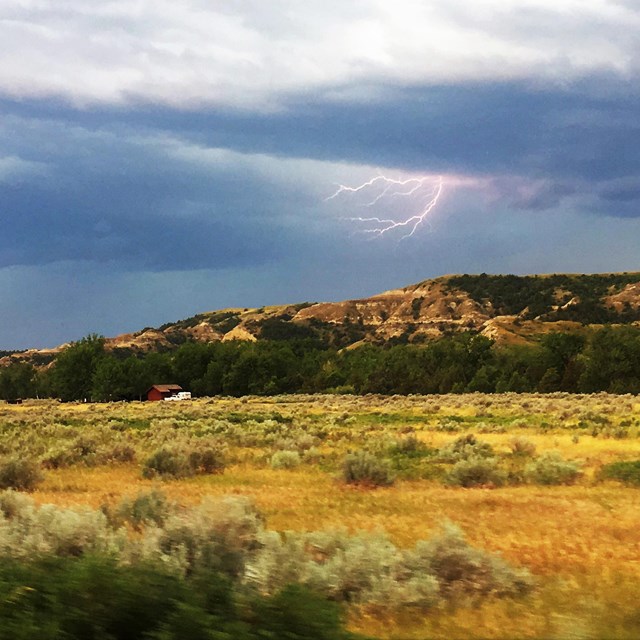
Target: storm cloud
<point x="157" y="160"/>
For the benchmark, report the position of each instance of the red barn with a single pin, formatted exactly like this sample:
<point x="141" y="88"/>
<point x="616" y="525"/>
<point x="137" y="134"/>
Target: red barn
<point x="162" y="391"/>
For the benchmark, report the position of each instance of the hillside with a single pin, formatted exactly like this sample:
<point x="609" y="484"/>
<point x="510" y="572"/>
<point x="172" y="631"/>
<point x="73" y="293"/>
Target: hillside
<point x="508" y="309"/>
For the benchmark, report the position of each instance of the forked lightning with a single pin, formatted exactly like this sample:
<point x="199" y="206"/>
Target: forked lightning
<point x="426" y="190"/>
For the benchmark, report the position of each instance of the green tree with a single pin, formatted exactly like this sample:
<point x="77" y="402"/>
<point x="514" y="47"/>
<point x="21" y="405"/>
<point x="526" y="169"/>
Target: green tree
<point x="190" y="362"/>
<point x="611" y="361"/>
<point x="110" y="380"/>
<point x="483" y="380"/>
<point x="75" y="366"/>
<point x="550" y="381"/>
<point x="17" y="381"/>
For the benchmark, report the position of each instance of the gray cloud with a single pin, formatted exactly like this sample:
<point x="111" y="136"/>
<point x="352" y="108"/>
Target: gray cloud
<point x="15" y="169"/>
<point x="624" y="190"/>
<point x="155" y="147"/>
<point x="135" y="201"/>
<point x="167" y="190"/>
<point x="254" y="55"/>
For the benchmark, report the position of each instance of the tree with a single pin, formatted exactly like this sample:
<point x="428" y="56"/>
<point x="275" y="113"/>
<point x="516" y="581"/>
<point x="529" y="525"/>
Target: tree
<point x="482" y="381"/>
<point x="190" y="362"/>
<point x="561" y="351"/>
<point x="109" y="381"/>
<point x="611" y="361"/>
<point x="550" y="381"/>
<point x="75" y="366"/>
<point x="17" y="381"/>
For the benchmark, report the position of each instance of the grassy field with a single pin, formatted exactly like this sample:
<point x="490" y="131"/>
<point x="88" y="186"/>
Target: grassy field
<point x="579" y="540"/>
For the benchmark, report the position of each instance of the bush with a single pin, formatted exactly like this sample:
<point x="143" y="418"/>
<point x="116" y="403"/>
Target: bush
<point x="227" y="538"/>
<point x="369" y="569"/>
<point x="285" y="460"/>
<point x="120" y="453"/>
<point x="29" y="531"/>
<point x="408" y="445"/>
<point x="552" y="468"/>
<point x="23" y="475"/>
<point x="476" y="472"/>
<point x="342" y="567"/>
<point x="83" y="450"/>
<point x="96" y="598"/>
<point x="208" y="459"/>
<point x="521" y="446"/>
<point x="12" y="503"/>
<point x="313" y="455"/>
<point x="462" y="569"/>
<point x="299" y="614"/>
<point x="166" y="462"/>
<point x="365" y="469"/>
<point x="627" y="471"/>
<point x="150" y="507"/>
<point x="465" y="447"/>
<point x="216" y="535"/>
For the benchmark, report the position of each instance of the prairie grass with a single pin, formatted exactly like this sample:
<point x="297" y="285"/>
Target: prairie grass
<point x="580" y="541"/>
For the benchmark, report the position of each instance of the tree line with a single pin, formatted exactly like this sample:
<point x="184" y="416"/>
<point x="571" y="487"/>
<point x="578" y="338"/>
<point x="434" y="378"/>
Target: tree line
<point x="607" y="359"/>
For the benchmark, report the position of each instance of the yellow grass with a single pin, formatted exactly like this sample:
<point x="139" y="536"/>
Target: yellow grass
<point x="551" y="530"/>
<point x="582" y="542"/>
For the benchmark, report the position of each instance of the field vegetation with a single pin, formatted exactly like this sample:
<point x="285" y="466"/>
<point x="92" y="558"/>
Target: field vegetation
<point x="475" y="516"/>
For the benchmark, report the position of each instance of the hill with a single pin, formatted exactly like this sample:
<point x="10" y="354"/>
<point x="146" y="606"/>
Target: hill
<point x="506" y="308"/>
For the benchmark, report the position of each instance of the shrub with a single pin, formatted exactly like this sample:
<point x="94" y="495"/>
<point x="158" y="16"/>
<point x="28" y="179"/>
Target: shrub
<point x="313" y="455"/>
<point x="627" y="471"/>
<point x="23" y="475"/>
<point x="120" y="453"/>
<point x="369" y="569"/>
<point x="475" y="472"/>
<point x="96" y="598"/>
<point x="83" y="449"/>
<point x="448" y="427"/>
<point x="304" y="442"/>
<point x="151" y="507"/>
<point x="209" y="459"/>
<point x="299" y="614"/>
<point x="461" y="569"/>
<point x="364" y="468"/>
<point x="285" y="460"/>
<point x="521" y="446"/>
<point x="408" y="445"/>
<point x="167" y="462"/>
<point x="465" y="447"/>
<point x="216" y="535"/>
<point x="29" y="531"/>
<point x="363" y="568"/>
<point x="58" y="459"/>
<point x="552" y="468"/>
<point x="13" y="503"/>
<point x="227" y="537"/>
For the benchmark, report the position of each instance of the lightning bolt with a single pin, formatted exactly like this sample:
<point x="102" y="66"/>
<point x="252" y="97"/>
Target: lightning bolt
<point x="425" y="190"/>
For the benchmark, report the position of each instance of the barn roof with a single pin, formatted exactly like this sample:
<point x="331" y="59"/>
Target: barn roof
<point x="165" y="387"/>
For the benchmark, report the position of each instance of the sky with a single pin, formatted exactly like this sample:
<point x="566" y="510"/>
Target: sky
<point x="160" y="159"/>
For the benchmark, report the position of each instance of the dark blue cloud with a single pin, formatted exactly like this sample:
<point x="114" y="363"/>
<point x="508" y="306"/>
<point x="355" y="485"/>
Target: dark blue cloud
<point x="586" y="132"/>
<point x="113" y="197"/>
<point x="137" y="191"/>
<point x="129" y="203"/>
<point x="480" y="128"/>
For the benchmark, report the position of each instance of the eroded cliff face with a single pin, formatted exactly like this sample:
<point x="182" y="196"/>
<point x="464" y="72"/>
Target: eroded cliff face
<point x="427" y="309"/>
<point x="416" y="313"/>
<point x="628" y="298"/>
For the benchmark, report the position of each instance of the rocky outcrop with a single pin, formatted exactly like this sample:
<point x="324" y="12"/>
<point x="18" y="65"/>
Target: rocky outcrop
<point x="417" y="313"/>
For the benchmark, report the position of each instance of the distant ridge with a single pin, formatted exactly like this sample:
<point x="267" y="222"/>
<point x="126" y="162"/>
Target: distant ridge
<point x="506" y="308"/>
